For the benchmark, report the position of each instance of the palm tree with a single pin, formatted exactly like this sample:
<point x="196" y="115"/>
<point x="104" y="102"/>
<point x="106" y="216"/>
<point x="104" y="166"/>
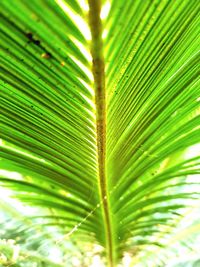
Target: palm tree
<point x="100" y="122"/>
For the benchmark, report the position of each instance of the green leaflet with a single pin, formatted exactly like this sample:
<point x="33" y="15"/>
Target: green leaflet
<point x="99" y="126"/>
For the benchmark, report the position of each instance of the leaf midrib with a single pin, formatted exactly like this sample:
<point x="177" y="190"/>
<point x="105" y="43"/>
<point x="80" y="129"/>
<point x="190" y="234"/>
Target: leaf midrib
<point x="100" y="102"/>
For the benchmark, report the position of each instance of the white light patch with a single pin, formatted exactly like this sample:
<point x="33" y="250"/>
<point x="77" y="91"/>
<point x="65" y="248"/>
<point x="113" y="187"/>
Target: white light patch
<point x="15" y="253"/>
<point x="84" y="5"/>
<point x="126" y="260"/>
<point x="104" y="34"/>
<point x="55" y="255"/>
<point x="7" y="194"/>
<point x="77" y="19"/>
<point x="96" y="261"/>
<point x="84" y="68"/>
<point x="105" y="10"/>
<point x="90" y="89"/>
<point x="11" y="175"/>
<point x="192" y="151"/>
<point x="82" y="48"/>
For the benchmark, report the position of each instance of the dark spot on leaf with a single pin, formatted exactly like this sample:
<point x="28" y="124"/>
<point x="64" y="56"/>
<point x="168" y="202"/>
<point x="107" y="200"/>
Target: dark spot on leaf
<point x="36" y="42"/>
<point x="29" y="35"/>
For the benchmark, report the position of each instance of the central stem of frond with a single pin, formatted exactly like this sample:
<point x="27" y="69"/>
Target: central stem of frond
<point x="100" y="100"/>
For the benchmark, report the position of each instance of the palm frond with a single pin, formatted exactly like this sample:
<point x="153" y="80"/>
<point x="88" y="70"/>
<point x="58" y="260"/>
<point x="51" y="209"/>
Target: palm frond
<point x="99" y="113"/>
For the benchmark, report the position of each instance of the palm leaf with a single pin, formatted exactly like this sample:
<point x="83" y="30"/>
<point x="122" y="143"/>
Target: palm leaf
<point x="99" y="127"/>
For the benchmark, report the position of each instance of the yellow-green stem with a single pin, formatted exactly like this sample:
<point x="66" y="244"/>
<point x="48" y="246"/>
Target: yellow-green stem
<point x="100" y="100"/>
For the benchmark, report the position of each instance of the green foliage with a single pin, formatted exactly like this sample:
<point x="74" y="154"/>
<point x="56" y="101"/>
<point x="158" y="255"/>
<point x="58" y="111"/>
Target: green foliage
<point x="52" y="159"/>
